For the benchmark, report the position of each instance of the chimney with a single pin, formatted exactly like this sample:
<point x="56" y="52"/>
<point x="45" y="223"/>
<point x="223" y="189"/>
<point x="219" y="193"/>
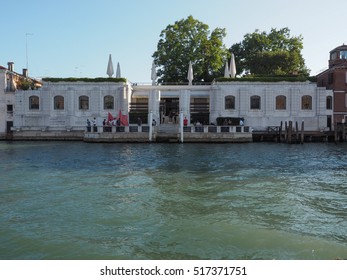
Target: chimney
<point x="10" y="66"/>
<point x="25" y="72"/>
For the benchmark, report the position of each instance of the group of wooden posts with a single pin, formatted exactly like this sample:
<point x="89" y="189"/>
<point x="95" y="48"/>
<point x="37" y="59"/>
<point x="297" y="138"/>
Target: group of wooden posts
<point x="292" y="136"/>
<point x="340" y="132"/>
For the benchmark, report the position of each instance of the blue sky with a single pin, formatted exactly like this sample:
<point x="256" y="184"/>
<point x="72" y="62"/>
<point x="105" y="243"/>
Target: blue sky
<point x="73" y="38"/>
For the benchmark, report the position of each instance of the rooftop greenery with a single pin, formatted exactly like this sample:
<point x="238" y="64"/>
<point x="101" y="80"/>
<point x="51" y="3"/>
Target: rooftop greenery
<point x="260" y="78"/>
<point x="87" y="80"/>
<point x="25" y="84"/>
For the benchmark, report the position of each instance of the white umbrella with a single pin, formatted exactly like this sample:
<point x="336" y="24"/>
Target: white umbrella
<point x="118" y="75"/>
<point x="232" y="66"/>
<point x="110" y="71"/>
<point x="226" y="70"/>
<point x="190" y="74"/>
<point x="153" y="74"/>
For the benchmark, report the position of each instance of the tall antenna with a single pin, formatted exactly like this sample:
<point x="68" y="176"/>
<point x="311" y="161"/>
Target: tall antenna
<point x="26" y="48"/>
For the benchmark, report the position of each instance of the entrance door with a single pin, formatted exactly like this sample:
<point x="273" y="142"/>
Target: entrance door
<point x="169" y="110"/>
<point x="9" y="132"/>
<point x="329" y="122"/>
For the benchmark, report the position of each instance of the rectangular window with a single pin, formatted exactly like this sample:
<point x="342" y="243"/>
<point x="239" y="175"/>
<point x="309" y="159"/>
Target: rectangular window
<point x="9" y="108"/>
<point x="229" y="102"/>
<point x="343" y="54"/>
<point x="34" y="103"/>
<point x="329" y="121"/>
<point x="281" y="101"/>
<point x="255" y="102"/>
<point x="329" y="103"/>
<point x="58" y="102"/>
<point x="83" y="102"/>
<point x="108" y="102"/>
<point x="306" y="102"/>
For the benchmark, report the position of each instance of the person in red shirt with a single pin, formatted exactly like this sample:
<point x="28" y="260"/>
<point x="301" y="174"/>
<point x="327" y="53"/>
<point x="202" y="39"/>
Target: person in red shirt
<point x="185" y="121"/>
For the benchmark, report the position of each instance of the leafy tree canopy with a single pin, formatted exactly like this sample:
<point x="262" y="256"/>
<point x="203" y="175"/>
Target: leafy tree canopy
<point x="274" y="53"/>
<point x="190" y="40"/>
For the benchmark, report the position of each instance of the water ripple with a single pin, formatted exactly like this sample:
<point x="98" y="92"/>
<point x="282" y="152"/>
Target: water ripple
<point x="193" y="201"/>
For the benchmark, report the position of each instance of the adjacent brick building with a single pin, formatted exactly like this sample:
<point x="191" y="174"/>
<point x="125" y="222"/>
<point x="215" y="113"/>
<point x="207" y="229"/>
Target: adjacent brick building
<point x="335" y="78"/>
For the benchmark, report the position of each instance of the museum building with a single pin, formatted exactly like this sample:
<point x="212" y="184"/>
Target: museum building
<point x="62" y="107"/>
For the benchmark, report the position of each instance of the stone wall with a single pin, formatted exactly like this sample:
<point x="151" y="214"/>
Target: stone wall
<point x="71" y="115"/>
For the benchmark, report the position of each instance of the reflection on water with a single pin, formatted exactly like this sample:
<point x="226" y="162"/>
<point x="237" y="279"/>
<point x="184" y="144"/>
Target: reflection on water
<point x="62" y="200"/>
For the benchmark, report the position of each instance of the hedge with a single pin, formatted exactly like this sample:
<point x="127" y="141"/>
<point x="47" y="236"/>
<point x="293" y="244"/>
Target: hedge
<point x="268" y="79"/>
<point x="87" y="80"/>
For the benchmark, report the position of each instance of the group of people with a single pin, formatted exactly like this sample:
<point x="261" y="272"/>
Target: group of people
<point x="172" y="117"/>
<point x="228" y="122"/>
<point x="114" y="122"/>
<point x="92" y="122"/>
<point x="117" y="122"/>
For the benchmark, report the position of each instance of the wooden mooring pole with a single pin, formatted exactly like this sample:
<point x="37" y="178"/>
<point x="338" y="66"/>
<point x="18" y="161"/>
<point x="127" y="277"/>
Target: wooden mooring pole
<point x="290" y="130"/>
<point x="343" y="131"/>
<point x="296" y="132"/>
<point x="302" y="138"/>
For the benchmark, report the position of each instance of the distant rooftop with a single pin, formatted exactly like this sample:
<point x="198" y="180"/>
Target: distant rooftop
<point x="339" y="48"/>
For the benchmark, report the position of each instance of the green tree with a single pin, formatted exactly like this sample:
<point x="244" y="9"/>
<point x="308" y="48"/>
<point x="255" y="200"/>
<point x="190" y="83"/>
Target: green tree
<point x="25" y="84"/>
<point x="190" y="40"/>
<point x="274" y="53"/>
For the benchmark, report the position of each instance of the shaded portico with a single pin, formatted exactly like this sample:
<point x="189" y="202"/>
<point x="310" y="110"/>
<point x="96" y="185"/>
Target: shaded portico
<point x="168" y="102"/>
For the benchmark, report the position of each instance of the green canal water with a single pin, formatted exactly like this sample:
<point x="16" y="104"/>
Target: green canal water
<point x="74" y="200"/>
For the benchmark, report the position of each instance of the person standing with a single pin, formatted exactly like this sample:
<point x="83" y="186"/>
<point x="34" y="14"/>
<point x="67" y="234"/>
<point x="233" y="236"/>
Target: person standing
<point x="95" y="129"/>
<point x="185" y="121"/>
<point x="89" y="126"/>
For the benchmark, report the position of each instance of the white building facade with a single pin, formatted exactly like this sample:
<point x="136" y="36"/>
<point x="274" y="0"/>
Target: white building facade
<point x="268" y="104"/>
<point x="66" y="106"/>
<point x="260" y="104"/>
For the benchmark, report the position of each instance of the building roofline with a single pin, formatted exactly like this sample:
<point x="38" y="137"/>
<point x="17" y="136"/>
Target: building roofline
<point x="21" y="75"/>
<point x="342" y="47"/>
<point x="338" y="66"/>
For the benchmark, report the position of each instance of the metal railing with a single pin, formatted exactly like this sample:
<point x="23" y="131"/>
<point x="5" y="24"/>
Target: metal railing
<point x="187" y="129"/>
<point x="117" y="129"/>
<point x="216" y="129"/>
